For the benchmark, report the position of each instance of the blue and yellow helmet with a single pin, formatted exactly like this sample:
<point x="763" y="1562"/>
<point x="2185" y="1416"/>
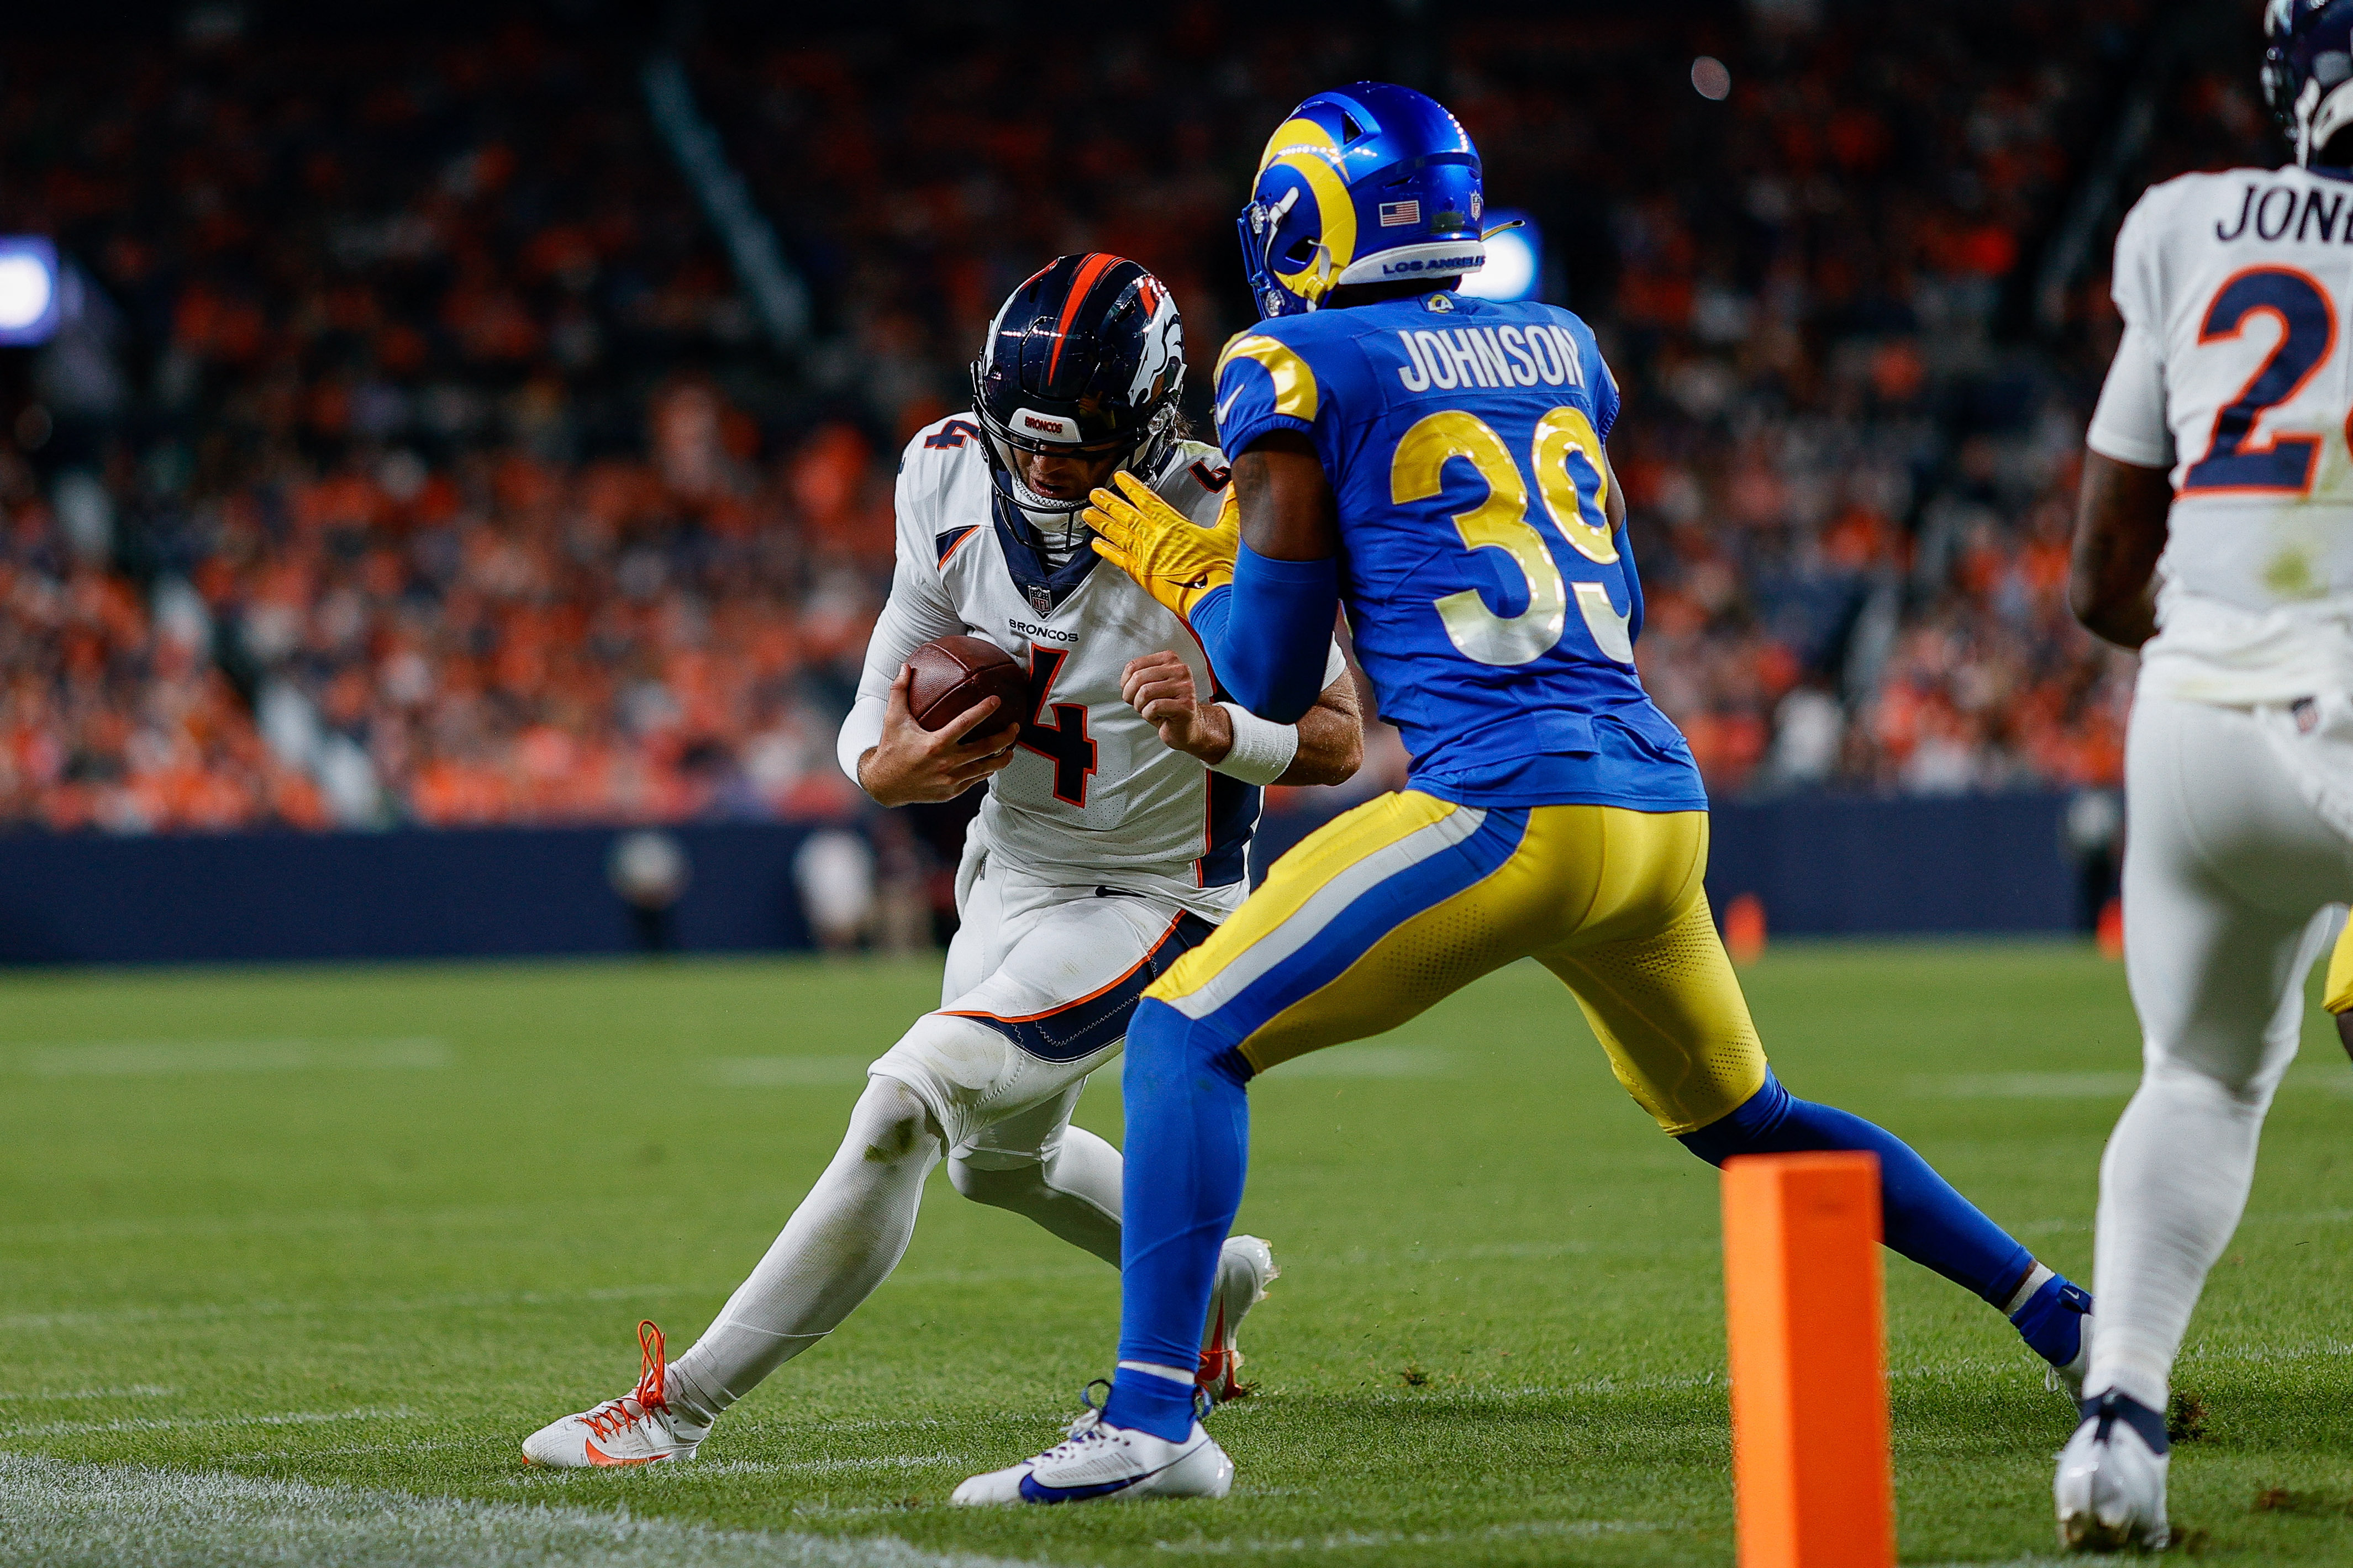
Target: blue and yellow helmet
<point x="1369" y="184"/>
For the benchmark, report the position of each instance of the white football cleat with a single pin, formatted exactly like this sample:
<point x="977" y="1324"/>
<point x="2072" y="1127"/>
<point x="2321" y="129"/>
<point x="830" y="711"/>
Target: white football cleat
<point x="1245" y="1269"/>
<point x="2111" y="1484"/>
<point x="638" y="1429"/>
<point x="1097" y="1460"/>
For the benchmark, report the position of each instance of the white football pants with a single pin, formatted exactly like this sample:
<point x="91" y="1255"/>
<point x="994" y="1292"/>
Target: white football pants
<point x="2233" y="873"/>
<point x="1039" y="983"/>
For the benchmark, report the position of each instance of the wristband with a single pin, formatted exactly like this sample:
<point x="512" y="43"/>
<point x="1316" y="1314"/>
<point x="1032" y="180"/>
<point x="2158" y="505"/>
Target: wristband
<point x="1262" y="750"/>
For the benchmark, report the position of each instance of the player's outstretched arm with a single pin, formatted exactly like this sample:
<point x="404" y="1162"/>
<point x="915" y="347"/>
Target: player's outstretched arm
<point x="913" y="764"/>
<point x="1286" y="587"/>
<point x="2120" y="516"/>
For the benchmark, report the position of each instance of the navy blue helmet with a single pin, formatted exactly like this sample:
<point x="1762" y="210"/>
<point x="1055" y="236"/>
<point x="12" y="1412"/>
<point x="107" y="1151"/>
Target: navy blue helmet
<point x="1367" y="184"/>
<point x="1086" y="358"/>
<point x="2307" y="64"/>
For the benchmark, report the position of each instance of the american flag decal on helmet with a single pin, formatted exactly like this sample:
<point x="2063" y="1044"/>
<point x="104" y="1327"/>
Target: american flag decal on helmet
<point x="1401" y="214"/>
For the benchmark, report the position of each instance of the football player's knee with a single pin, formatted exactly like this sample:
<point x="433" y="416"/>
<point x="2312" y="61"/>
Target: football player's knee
<point x="1164" y="1042"/>
<point x="1750" y="1128"/>
<point x="998" y="1180"/>
<point x="892" y="1123"/>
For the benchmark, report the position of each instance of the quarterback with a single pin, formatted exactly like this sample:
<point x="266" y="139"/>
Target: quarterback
<point x="1437" y="463"/>
<point x="2215" y="534"/>
<point x="1111" y="842"/>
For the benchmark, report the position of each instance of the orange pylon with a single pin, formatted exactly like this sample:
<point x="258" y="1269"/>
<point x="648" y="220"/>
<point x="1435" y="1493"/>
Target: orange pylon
<point x="1802" y="1296"/>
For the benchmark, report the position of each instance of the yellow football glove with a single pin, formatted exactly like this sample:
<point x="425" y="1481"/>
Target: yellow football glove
<point x="1174" y="558"/>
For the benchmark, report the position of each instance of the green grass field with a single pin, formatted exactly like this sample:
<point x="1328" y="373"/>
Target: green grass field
<point x="291" y="1260"/>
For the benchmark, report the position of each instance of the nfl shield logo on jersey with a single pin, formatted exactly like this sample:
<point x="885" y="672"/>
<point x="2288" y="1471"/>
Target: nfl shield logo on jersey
<point x="1042" y="600"/>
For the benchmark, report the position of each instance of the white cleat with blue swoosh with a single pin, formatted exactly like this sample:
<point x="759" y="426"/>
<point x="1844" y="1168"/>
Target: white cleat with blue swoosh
<point x="1100" y="1462"/>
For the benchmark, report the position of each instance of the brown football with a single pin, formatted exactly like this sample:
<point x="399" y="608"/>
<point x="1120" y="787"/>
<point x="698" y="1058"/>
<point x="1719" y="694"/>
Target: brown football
<point x="954" y="673"/>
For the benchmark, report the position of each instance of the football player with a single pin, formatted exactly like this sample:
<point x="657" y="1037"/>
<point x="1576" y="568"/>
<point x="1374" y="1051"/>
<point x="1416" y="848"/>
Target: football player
<point x="1436" y="462"/>
<point x="1121" y="801"/>
<point x="2215" y="534"/>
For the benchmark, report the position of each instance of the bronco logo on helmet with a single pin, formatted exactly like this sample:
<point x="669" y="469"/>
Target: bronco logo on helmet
<point x="2308" y="66"/>
<point x="1087" y="358"/>
<point x="1364" y="185"/>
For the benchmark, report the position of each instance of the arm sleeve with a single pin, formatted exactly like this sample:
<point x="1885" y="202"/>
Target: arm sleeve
<point x="917" y="611"/>
<point x="2129" y="423"/>
<point x="1269" y="634"/>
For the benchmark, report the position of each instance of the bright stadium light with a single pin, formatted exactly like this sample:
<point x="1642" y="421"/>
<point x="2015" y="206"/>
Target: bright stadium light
<point x="1514" y="260"/>
<point x="28" y="289"/>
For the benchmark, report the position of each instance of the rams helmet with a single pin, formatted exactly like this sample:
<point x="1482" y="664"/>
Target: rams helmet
<point x="1369" y="184"/>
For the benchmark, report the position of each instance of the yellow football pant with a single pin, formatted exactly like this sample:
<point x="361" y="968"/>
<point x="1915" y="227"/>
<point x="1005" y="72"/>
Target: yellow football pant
<point x="1408" y="899"/>
<point x="2338" y="995"/>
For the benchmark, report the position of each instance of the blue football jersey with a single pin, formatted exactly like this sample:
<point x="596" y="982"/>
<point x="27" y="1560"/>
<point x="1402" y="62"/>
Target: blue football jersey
<point x="1491" y="604"/>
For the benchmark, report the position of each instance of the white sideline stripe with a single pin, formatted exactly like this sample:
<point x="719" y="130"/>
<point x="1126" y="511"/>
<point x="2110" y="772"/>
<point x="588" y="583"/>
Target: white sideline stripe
<point x="2116" y="1085"/>
<point x="272" y="1222"/>
<point x="2028" y="1085"/>
<point x="698" y="1469"/>
<point x="1361" y="1538"/>
<point x="53" y="1512"/>
<point x="784" y="1072"/>
<point x="211" y="1311"/>
<point x="1327" y="904"/>
<point x="133" y="1058"/>
<point x="206" y="1423"/>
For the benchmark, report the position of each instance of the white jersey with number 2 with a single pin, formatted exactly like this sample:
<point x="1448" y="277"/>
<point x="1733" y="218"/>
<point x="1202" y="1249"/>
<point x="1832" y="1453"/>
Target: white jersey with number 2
<point x="2236" y="372"/>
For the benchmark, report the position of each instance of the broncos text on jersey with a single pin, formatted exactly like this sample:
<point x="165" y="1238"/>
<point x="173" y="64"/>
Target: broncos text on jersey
<point x="1493" y="606"/>
<point x="1093" y="794"/>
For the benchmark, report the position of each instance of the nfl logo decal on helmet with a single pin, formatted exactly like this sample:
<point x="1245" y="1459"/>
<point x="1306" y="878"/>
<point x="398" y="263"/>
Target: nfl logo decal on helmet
<point x="2308" y="65"/>
<point x="1085" y="358"/>
<point x="1368" y="184"/>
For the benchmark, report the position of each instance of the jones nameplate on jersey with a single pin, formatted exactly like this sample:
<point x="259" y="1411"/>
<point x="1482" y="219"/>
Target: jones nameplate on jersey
<point x="2287" y="212"/>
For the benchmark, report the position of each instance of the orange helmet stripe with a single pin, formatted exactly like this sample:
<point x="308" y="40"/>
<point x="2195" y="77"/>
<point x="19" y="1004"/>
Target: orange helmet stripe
<point x="1091" y="266"/>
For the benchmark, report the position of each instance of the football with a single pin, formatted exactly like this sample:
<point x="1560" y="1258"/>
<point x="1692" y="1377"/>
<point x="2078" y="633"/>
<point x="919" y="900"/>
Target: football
<point x="954" y="673"/>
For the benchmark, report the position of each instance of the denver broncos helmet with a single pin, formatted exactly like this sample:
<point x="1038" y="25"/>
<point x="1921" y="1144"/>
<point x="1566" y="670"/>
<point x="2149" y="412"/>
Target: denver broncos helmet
<point x="2307" y="63"/>
<point x="1086" y="358"/>
<point x="1368" y="184"/>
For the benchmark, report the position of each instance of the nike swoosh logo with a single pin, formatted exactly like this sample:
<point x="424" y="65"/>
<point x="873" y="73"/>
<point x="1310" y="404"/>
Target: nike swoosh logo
<point x="601" y="1459"/>
<point x="1228" y="406"/>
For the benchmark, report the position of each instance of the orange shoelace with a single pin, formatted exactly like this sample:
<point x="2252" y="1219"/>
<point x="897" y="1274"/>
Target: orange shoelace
<point x="653" y="1369"/>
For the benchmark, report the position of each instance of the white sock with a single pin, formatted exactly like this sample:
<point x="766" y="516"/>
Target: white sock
<point x="842" y="1242"/>
<point x="2172" y="1186"/>
<point x="2036" y="1278"/>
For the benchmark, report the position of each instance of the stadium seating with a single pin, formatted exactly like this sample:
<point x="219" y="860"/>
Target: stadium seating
<point x="417" y="459"/>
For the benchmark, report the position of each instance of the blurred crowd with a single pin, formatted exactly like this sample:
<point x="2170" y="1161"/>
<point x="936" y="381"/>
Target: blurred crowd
<point x="412" y="454"/>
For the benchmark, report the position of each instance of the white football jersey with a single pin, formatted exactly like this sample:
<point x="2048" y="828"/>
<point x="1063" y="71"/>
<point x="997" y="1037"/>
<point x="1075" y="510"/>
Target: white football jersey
<point x="1093" y="794"/>
<point x="2236" y="372"/>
